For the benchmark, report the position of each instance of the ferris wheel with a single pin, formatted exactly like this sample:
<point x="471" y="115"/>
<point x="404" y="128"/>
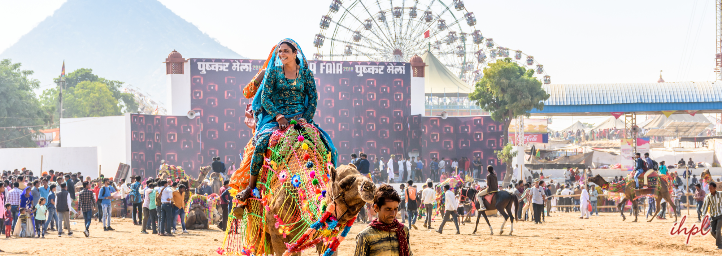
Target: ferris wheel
<point x="388" y="30"/>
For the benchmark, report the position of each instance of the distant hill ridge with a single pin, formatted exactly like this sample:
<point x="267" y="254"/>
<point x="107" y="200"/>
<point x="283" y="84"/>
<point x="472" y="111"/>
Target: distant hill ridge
<point x="120" y="40"/>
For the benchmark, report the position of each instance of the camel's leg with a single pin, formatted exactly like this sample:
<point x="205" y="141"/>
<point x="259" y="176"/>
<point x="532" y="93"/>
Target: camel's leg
<point x="674" y="207"/>
<point x="656" y="209"/>
<point x="636" y="210"/>
<point x="620" y="206"/>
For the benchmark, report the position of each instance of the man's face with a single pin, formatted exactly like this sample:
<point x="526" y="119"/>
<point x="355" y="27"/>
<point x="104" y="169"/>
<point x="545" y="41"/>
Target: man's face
<point x="712" y="190"/>
<point x="387" y="212"/>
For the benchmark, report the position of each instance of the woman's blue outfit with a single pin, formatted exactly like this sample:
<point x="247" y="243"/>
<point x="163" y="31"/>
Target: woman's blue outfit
<point x="292" y="98"/>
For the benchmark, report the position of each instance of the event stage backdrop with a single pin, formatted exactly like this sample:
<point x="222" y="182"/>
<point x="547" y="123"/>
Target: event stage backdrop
<point x="457" y="137"/>
<point x="362" y="105"/>
<point x="170" y="138"/>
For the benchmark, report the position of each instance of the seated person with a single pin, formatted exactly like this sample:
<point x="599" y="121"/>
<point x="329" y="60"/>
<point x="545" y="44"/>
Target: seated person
<point x="492" y="185"/>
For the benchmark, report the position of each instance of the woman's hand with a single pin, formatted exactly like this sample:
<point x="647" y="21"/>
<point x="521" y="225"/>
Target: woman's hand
<point x="245" y="194"/>
<point x="282" y="122"/>
<point x="259" y="76"/>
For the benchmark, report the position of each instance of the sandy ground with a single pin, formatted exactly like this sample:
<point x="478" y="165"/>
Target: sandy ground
<point x="562" y="234"/>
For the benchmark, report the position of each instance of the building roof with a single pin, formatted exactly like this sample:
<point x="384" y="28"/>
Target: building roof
<point x="440" y="81"/>
<point x="625" y="93"/>
<point x="610" y="123"/>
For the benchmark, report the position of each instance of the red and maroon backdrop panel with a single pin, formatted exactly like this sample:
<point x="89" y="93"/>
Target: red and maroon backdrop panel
<point x="362" y="105"/>
<point x="170" y="138"/>
<point x="457" y="137"/>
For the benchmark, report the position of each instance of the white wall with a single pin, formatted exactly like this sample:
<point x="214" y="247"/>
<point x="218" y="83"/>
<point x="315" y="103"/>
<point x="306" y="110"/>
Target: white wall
<point x="418" y="105"/>
<point x="65" y="159"/>
<point x="110" y="134"/>
<point x="178" y="88"/>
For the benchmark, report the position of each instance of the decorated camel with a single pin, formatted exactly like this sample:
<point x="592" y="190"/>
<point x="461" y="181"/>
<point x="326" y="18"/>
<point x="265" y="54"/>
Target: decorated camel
<point x="177" y="173"/>
<point x="300" y="201"/>
<point x="659" y="187"/>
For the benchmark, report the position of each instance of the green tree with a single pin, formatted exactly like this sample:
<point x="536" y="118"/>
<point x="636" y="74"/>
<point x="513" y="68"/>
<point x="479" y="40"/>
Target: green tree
<point x="21" y="113"/>
<point x="506" y="155"/>
<point x="508" y="91"/>
<point x="91" y="99"/>
<point x="125" y="103"/>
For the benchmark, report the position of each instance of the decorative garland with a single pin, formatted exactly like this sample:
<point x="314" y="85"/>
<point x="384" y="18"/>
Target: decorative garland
<point x="296" y="163"/>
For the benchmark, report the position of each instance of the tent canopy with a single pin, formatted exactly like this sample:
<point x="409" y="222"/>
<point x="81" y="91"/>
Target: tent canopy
<point x="610" y="123"/>
<point x="574" y="127"/>
<point x="440" y="81"/>
<point x="677" y="125"/>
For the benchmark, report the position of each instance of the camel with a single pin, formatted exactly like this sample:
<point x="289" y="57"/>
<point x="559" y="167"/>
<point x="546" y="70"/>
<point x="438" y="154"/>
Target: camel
<point x="192" y="183"/>
<point x="630" y="193"/>
<point x="347" y="189"/>
<point x="501" y="201"/>
<point x="215" y="182"/>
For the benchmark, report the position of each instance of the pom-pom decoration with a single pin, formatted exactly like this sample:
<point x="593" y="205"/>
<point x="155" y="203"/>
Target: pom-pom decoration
<point x="300" y="138"/>
<point x="296" y="180"/>
<point x="315" y="182"/>
<point x="309" y="164"/>
<point x="282" y="176"/>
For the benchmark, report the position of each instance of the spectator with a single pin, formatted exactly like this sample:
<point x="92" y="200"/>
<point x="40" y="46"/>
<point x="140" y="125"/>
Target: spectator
<point x="699" y="199"/>
<point x="584" y="202"/>
<point x="179" y="206"/>
<point x="713" y="205"/>
<point x="70" y="185"/>
<point x="166" y="196"/>
<point x="52" y="210"/>
<point x="450" y="206"/>
<point x="434" y="166"/>
<point x="63" y="207"/>
<point x="428" y="197"/>
<point x="105" y="195"/>
<point x="593" y="195"/>
<point x="402" y="205"/>
<point x="419" y="170"/>
<point x="137" y="201"/>
<point x="86" y="203"/>
<point x="224" y="202"/>
<point x="538" y="196"/>
<point x="363" y="165"/>
<point x="124" y="191"/>
<point x="13" y="198"/>
<point x="411" y="207"/>
<point x="149" y="209"/>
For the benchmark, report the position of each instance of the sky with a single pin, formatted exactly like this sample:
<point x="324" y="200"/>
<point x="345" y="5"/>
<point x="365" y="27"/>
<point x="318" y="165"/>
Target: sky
<point x="578" y="42"/>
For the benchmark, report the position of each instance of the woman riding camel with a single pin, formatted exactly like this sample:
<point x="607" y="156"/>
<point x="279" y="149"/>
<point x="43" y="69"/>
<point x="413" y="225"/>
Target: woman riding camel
<point x="286" y="96"/>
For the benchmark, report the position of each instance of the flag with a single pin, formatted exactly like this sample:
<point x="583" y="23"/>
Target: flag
<point x="426" y="34"/>
<point x="62" y="74"/>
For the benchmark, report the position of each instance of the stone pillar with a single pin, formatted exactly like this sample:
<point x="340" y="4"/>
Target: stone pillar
<point x="178" y="84"/>
<point x="418" y="99"/>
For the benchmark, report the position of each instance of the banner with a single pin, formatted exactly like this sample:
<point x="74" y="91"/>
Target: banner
<point x="530" y="125"/>
<point x="171" y="138"/>
<point x="362" y="105"/>
<point x="532" y="138"/>
<point x="458" y="137"/>
<point x="643" y="145"/>
<point x="627" y="153"/>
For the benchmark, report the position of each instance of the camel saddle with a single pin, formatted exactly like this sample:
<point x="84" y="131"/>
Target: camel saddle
<point x="652" y="179"/>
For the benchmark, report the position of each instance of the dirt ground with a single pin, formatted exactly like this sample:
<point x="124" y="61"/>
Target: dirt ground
<point x="562" y="234"/>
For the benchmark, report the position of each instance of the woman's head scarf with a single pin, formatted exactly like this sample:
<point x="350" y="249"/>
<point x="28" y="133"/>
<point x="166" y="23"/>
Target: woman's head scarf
<point x="275" y="61"/>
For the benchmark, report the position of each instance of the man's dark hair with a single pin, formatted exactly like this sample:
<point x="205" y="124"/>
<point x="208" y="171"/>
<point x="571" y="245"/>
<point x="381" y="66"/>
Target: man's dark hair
<point x="52" y="187"/>
<point x="20" y="178"/>
<point x="16" y="184"/>
<point x="638" y="154"/>
<point x="67" y="176"/>
<point x="7" y="205"/>
<point x="384" y="194"/>
<point x="410" y="182"/>
<point x="181" y="187"/>
<point x="162" y="183"/>
<point x="363" y="155"/>
<point x="51" y="171"/>
<point x="63" y="185"/>
<point x="105" y="180"/>
<point x="697" y="185"/>
<point x="36" y="182"/>
<point x="151" y="185"/>
<point x="122" y="180"/>
<point x="490" y="169"/>
<point x="430" y="184"/>
<point x="447" y="187"/>
<point x="85" y="184"/>
<point x="225" y="182"/>
<point x="138" y="178"/>
<point x="713" y="184"/>
<point x="354" y="155"/>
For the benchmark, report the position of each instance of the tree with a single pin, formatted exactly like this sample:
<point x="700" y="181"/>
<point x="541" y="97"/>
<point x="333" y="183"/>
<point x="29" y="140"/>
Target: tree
<point x="506" y="155"/>
<point x="91" y="99"/>
<point x="19" y="106"/>
<point x="508" y="91"/>
<point x="124" y="102"/>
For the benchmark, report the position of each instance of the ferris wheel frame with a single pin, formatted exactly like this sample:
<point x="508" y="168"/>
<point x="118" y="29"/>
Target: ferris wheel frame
<point x="363" y="34"/>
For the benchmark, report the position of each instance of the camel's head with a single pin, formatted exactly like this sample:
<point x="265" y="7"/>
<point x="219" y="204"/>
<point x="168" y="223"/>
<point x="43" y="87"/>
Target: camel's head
<point x="205" y="170"/>
<point x="349" y="190"/>
<point x="597" y="180"/>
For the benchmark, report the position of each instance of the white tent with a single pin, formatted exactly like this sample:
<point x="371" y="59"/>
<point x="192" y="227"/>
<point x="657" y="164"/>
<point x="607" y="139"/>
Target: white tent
<point x="574" y="127"/>
<point x="610" y="123"/>
<point x="439" y="81"/>
<point x="677" y="125"/>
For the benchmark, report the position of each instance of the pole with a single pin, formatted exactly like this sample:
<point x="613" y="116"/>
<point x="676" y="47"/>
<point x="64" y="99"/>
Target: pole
<point x="685" y="192"/>
<point x="62" y="84"/>
<point x="41" y="165"/>
<point x="99" y="171"/>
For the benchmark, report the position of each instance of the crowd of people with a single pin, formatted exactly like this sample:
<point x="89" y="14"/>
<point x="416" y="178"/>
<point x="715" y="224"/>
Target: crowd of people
<point x="399" y="169"/>
<point x="37" y="205"/>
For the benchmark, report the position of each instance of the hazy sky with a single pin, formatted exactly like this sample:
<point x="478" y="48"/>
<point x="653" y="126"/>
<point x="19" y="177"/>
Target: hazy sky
<point x="577" y="41"/>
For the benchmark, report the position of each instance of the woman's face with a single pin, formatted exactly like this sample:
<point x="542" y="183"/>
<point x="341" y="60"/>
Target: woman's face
<point x="286" y="54"/>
